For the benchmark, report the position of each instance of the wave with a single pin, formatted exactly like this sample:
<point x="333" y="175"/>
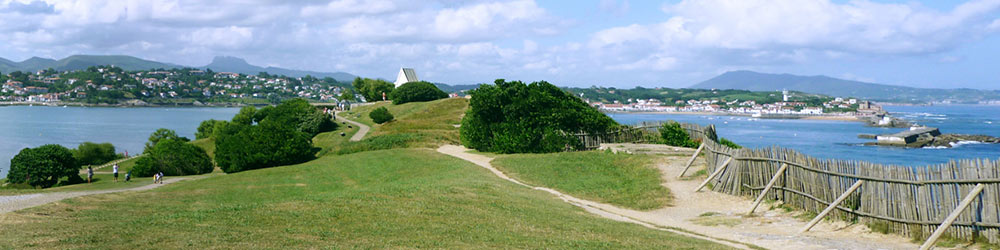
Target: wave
<point x="960" y="143"/>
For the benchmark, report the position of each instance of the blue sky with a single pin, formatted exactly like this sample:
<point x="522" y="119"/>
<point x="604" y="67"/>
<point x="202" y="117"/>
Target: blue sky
<point x="621" y="43"/>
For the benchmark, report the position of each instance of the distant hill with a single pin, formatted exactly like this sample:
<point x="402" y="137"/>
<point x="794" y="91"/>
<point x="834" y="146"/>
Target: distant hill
<point x="754" y="81"/>
<point x="81" y="62"/>
<point x="456" y="88"/>
<point x="238" y="65"/>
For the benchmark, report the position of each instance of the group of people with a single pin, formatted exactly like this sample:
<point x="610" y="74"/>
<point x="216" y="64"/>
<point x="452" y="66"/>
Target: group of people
<point x="157" y="178"/>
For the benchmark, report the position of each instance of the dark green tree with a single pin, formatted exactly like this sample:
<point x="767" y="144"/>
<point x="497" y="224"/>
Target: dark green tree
<point x="675" y="135"/>
<point x="173" y="157"/>
<point x="513" y="117"/>
<point x="381" y="115"/>
<point x="89" y="153"/>
<point x="416" y="92"/>
<point x="298" y="113"/>
<point x="162" y="134"/>
<point x="347" y="95"/>
<point x="206" y="129"/>
<point x="43" y="166"/>
<point x="269" y="144"/>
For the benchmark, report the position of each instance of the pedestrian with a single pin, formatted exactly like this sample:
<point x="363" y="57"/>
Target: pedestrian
<point x="114" y="171"/>
<point x="161" y="177"/>
<point x="90" y="174"/>
<point x="128" y="176"/>
<point x="155" y="178"/>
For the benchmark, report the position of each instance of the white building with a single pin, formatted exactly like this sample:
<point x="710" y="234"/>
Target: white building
<point x="405" y="75"/>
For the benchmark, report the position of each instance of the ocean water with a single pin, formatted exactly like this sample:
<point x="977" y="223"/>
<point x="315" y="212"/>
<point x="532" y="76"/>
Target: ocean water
<point x="126" y="128"/>
<point x="838" y="139"/>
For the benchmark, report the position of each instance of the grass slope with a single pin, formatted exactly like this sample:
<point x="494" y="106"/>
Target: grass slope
<point x="403" y="198"/>
<point x="621" y="179"/>
<point x="416" y="124"/>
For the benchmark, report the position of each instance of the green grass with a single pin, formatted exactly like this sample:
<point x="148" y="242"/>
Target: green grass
<point x="100" y="182"/>
<point x="404" y="198"/>
<point x="434" y="122"/>
<point x="208" y="144"/>
<point x="328" y="141"/>
<point x="620" y="179"/>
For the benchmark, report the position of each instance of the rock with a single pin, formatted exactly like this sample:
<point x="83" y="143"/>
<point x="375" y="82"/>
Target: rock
<point x="947" y="140"/>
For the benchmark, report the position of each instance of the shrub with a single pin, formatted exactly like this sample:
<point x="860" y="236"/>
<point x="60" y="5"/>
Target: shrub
<point x="372" y="89"/>
<point x="206" y="129"/>
<point x="173" y="157"/>
<point x="674" y="135"/>
<point x="245" y="147"/>
<point x="89" y="153"/>
<point x="43" y="166"/>
<point x="298" y="113"/>
<point x="512" y="117"/>
<point x="381" y="115"/>
<point x="416" y="92"/>
<point x="162" y="134"/>
<point x="729" y="143"/>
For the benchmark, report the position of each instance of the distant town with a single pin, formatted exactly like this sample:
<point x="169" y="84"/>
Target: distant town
<point x="112" y="85"/>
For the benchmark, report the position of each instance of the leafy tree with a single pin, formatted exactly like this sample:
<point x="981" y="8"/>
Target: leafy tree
<point x="347" y="95"/>
<point x="300" y="114"/>
<point x="206" y="129"/>
<point x="89" y="153"/>
<point x="162" y="134"/>
<point x="173" y="157"/>
<point x="417" y="92"/>
<point x="245" y="116"/>
<point x="43" y="166"/>
<point x="675" y="135"/>
<point x="381" y="115"/>
<point x="372" y="89"/>
<point x="513" y="117"/>
<point x="245" y="147"/>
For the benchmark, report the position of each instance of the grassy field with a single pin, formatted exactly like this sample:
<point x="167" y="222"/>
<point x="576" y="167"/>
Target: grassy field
<point x="416" y="124"/>
<point x="100" y="182"/>
<point x="328" y="141"/>
<point x="625" y="180"/>
<point x="402" y="198"/>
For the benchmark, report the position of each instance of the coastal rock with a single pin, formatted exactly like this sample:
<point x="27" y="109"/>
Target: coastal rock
<point x="950" y="140"/>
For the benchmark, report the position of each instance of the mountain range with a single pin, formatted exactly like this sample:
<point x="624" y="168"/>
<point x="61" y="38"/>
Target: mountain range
<point x="218" y="64"/>
<point x="825" y="85"/>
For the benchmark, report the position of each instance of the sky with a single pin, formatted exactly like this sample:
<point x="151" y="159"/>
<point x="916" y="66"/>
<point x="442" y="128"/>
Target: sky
<point x="939" y="44"/>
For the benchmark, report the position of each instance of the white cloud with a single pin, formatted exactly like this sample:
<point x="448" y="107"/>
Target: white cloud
<point x="347" y="7"/>
<point x="231" y="37"/>
<point x="995" y="26"/>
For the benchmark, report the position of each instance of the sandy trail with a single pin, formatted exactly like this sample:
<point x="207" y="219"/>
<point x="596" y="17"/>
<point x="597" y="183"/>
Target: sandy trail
<point x="18" y="202"/>
<point x="362" y="129"/>
<point x="772" y="229"/>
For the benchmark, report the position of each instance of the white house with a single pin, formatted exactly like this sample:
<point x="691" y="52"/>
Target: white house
<point x="406" y="75"/>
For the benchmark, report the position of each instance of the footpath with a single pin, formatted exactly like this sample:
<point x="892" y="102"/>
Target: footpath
<point x="362" y="129"/>
<point x="18" y="202"/>
<point x="718" y="217"/>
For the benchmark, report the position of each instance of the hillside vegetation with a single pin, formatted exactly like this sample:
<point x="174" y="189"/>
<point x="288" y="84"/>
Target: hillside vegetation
<point x="416" y="124"/>
<point x="404" y="198"/>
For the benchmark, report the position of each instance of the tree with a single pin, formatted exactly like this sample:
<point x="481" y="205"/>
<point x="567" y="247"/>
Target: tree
<point x="43" y="166"/>
<point x="372" y="89"/>
<point x="89" y="153"/>
<point x="206" y="129"/>
<point x="381" y="115"/>
<point x="173" y="157"/>
<point x="416" y="92"/>
<point x="675" y="135"/>
<point x="347" y="95"/>
<point x="162" y="134"/>
<point x="298" y="113"/>
<point x="245" y="116"/>
<point x="245" y="147"/>
<point x="512" y="117"/>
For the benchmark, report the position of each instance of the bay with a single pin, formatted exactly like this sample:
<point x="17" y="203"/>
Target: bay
<point x="127" y="128"/>
<point x="838" y="139"/>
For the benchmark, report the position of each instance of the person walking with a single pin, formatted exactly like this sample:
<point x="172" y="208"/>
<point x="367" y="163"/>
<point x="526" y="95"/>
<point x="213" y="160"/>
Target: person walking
<point x="161" y="177"/>
<point x="128" y="175"/>
<point x="114" y="171"/>
<point x="90" y="174"/>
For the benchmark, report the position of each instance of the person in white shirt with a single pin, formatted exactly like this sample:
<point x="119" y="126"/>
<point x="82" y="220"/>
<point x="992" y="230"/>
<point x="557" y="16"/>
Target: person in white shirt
<point x="115" y="171"/>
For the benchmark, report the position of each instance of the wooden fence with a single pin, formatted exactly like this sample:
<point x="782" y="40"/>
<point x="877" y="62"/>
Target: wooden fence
<point x="912" y="201"/>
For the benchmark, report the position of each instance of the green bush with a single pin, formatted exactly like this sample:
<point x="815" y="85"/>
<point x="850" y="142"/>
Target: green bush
<point x="512" y="117"/>
<point x="299" y="113"/>
<point x="373" y="89"/>
<point x="729" y="143"/>
<point x="674" y="135"/>
<point x="381" y="115"/>
<point x="244" y="147"/>
<point x="43" y="166"/>
<point x="416" y="92"/>
<point x="173" y="157"/>
<point x="162" y="134"/>
<point x="89" y="153"/>
<point x="206" y="129"/>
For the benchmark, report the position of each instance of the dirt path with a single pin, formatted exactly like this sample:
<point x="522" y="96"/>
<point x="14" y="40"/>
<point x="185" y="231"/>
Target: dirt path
<point x="18" y="202"/>
<point x="362" y="129"/>
<point x="772" y="229"/>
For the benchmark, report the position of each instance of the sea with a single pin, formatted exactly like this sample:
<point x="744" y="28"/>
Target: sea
<point x="127" y="129"/>
<point x="839" y="139"/>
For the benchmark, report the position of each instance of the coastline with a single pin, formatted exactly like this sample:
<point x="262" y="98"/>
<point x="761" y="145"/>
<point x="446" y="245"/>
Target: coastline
<point x="127" y="105"/>
<point x="843" y="118"/>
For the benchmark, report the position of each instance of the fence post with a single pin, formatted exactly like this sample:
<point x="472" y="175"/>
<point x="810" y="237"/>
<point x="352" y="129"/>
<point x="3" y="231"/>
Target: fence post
<point x="691" y="161"/>
<point x="770" y="184"/>
<point x="717" y="171"/>
<point x="951" y="217"/>
<point x="833" y="205"/>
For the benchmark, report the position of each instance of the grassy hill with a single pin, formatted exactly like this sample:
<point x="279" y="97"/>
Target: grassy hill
<point x="754" y="81"/>
<point x="416" y="124"/>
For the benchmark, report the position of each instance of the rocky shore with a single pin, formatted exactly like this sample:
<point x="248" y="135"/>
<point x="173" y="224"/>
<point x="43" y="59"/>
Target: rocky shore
<point x="950" y="140"/>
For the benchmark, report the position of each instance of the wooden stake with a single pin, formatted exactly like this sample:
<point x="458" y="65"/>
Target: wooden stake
<point x="717" y="171"/>
<point x="951" y="217"/>
<point x="691" y="161"/>
<point x="833" y="205"/>
<point x="770" y="184"/>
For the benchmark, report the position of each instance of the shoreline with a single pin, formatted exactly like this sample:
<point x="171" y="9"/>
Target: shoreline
<point x="782" y="117"/>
